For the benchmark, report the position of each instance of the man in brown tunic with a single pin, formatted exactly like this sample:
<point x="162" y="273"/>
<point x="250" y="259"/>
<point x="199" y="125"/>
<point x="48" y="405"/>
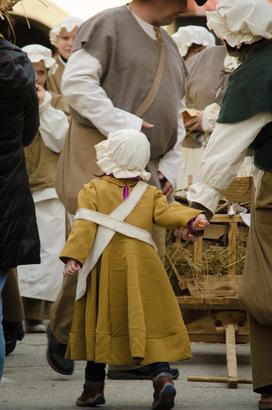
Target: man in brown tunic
<point x="106" y="81"/>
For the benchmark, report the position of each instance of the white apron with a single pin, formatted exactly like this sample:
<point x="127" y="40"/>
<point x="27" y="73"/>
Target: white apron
<point x="44" y="281"/>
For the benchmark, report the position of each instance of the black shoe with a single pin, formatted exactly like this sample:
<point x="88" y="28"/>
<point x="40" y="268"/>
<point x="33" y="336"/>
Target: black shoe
<point x="142" y="373"/>
<point x="55" y="356"/>
<point x="13" y="331"/>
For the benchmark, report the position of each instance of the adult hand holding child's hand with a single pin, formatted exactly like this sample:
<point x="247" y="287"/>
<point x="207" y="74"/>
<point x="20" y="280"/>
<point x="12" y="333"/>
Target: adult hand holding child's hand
<point x="194" y="229"/>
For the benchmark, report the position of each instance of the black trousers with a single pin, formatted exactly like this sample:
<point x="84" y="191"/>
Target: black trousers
<point x="95" y="372"/>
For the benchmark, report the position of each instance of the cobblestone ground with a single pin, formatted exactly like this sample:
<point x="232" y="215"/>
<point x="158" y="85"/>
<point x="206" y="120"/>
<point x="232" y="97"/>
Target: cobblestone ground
<point x="31" y="384"/>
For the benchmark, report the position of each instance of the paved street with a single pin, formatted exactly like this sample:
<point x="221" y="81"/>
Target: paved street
<point x="32" y="384"/>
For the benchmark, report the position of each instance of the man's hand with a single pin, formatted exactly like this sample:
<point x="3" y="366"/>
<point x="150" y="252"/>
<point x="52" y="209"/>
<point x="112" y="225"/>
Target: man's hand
<point x="166" y="186"/>
<point x="40" y="93"/>
<point x="195" y="124"/>
<point x="147" y="125"/>
<point x="71" y="268"/>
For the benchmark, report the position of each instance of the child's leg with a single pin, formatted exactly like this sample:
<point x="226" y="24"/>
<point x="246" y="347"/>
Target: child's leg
<point x="93" y="389"/>
<point x="95" y="372"/>
<point x="164" y="390"/>
<point x="159" y="367"/>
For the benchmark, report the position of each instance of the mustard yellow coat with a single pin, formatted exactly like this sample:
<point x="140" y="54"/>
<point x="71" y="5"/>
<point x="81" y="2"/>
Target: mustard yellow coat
<point x="129" y="309"/>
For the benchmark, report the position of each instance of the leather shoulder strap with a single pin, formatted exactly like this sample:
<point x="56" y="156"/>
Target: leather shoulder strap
<point x="149" y="99"/>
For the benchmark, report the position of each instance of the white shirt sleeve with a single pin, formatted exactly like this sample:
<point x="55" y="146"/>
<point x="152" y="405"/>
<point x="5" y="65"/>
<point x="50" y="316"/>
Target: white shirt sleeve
<point x="82" y="89"/>
<point x="209" y="117"/>
<point x="222" y="158"/>
<point x="53" y="125"/>
<point x="170" y="163"/>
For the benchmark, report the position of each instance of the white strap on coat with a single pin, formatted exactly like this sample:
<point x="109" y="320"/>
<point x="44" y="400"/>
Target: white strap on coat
<point x="116" y="226"/>
<point x="105" y="234"/>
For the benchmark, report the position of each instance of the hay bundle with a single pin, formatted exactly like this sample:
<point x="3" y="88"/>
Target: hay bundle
<point x="215" y="260"/>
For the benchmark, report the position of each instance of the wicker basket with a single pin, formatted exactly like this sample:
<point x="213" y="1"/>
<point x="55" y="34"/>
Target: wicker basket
<point x="240" y="190"/>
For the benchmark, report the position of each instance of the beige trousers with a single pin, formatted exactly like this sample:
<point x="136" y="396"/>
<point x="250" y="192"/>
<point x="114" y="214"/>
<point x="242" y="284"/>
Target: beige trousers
<point x="261" y="357"/>
<point x="36" y="309"/>
<point x="255" y="281"/>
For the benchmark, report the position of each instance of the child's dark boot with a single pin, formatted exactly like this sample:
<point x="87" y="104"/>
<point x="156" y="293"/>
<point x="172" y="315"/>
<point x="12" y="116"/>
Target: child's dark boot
<point x="92" y="395"/>
<point x="164" y="392"/>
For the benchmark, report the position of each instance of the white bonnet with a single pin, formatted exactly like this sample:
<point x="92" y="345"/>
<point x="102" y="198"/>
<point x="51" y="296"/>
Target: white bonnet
<point x="37" y="52"/>
<point x="69" y="23"/>
<point x="241" y="21"/>
<point x="186" y="36"/>
<point x="124" y="154"/>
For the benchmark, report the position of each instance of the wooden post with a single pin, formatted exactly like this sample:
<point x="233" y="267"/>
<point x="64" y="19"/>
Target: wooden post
<point x="215" y="379"/>
<point x="198" y="251"/>
<point x="232" y="237"/>
<point x="231" y="356"/>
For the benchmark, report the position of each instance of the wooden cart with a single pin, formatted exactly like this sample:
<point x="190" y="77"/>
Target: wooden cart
<point x="226" y="321"/>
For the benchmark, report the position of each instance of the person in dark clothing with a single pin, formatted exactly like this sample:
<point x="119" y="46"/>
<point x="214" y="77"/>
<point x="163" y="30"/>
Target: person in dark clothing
<point x="245" y="121"/>
<point x="19" y="121"/>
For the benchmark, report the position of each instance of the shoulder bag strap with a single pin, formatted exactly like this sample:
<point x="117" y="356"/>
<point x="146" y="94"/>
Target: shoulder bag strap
<point x="149" y="99"/>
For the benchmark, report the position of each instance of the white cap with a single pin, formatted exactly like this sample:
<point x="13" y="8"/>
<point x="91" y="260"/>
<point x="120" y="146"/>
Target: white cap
<point x="37" y="52"/>
<point x="186" y="36"/>
<point x="241" y="21"/>
<point x="124" y="154"/>
<point x="69" y="23"/>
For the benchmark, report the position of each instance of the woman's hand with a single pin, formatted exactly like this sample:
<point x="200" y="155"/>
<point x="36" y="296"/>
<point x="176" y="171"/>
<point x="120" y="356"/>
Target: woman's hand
<point x="185" y="235"/>
<point x="166" y="186"/>
<point x="195" y="124"/>
<point x="40" y="93"/>
<point x="194" y="229"/>
<point x="200" y="223"/>
<point x="71" y="268"/>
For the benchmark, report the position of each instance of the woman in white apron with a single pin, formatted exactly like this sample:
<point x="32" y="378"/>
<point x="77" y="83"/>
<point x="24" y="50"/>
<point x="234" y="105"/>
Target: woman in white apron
<point x="40" y="284"/>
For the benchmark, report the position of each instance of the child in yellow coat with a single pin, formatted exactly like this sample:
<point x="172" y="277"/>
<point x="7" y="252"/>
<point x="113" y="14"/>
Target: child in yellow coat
<point x="125" y="311"/>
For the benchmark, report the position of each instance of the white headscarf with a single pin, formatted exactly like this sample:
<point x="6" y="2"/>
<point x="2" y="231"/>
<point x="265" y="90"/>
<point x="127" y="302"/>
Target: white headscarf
<point x="124" y="154"/>
<point x="69" y="23"/>
<point x="241" y="21"/>
<point x="186" y="36"/>
<point x="37" y="52"/>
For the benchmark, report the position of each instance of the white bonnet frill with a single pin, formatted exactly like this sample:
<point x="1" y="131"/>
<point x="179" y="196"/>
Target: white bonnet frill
<point x="186" y="36"/>
<point x="37" y="52"/>
<point x="241" y="21"/>
<point x="124" y="154"/>
<point x="69" y="23"/>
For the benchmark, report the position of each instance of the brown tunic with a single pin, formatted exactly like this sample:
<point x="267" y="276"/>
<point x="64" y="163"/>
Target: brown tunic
<point x="54" y="86"/>
<point x="129" y="60"/>
<point x="206" y="75"/>
<point x="41" y="165"/>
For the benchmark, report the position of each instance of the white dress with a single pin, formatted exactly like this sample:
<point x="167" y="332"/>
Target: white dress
<point x="44" y="281"/>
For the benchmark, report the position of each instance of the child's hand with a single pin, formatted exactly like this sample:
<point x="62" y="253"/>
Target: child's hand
<point x="71" y="268"/>
<point x="200" y="223"/>
<point x="40" y="93"/>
